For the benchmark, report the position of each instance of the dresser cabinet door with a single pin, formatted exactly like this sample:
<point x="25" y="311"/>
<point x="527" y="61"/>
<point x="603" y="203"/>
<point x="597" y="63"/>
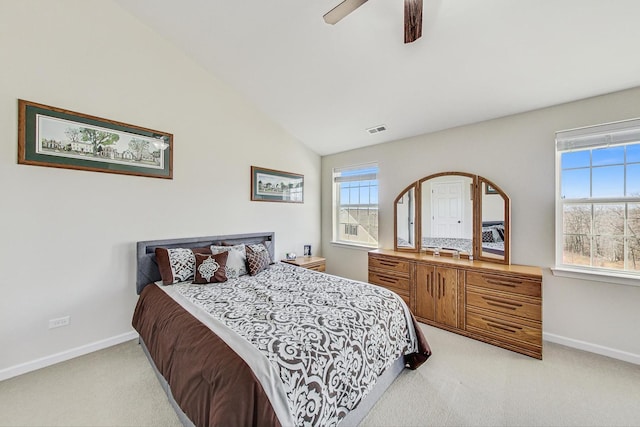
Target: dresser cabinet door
<point x="447" y="296"/>
<point x="437" y="294"/>
<point x="425" y="292"/>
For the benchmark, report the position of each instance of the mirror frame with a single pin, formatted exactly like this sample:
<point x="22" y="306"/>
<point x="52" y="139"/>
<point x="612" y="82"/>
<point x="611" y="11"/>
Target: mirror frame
<point x="417" y="224"/>
<point x="507" y="223"/>
<point x="477" y="183"/>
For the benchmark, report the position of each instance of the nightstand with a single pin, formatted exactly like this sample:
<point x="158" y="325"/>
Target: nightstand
<point x="310" y="262"/>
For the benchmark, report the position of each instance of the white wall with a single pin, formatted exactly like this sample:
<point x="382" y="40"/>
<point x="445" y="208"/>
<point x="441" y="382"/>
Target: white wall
<point x="67" y="238"/>
<point x="518" y="154"/>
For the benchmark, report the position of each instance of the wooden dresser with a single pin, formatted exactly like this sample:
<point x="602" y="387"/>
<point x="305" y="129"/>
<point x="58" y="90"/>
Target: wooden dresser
<point x="495" y="303"/>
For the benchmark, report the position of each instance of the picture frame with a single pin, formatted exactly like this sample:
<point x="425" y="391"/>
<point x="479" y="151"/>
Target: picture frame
<point x="307" y="250"/>
<point x="489" y="189"/>
<point x="270" y="185"/>
<point x="59" y="138"/>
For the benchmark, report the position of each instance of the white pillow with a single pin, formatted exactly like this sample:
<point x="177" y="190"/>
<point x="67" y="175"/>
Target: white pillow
<point x="237" y="261"/>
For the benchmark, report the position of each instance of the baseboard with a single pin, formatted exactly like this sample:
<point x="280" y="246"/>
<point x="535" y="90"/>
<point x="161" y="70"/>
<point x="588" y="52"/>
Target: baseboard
<point x="43" y="362"/>
<point x="593" y="348"/>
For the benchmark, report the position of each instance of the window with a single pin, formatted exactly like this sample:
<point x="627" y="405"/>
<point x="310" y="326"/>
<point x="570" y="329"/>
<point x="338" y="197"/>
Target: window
<point x="351" y="229"/>
<point x="598" y="199"/>
<point x="355" y="205"/>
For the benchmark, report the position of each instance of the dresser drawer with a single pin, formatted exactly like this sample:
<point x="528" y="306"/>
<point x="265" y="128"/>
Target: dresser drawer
<point x="509" y="304"/>
<point x="398" y="266"/>
<point x="318" y="267"/>
<point x="506" y="327"/>
<point x="389" y="281"/>
<point x="506" y="284"/>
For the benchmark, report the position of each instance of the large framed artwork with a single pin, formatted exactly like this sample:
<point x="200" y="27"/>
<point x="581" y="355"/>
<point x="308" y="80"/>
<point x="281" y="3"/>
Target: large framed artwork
<point x="268" y="185"/>
<point x="54" y="137"/>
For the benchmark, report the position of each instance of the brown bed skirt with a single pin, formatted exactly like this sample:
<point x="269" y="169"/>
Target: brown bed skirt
<point x="212" y="385"/>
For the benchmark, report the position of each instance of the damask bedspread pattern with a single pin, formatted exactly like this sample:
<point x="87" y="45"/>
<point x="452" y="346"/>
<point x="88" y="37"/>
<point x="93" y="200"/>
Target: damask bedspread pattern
<point x="327" y="338"/>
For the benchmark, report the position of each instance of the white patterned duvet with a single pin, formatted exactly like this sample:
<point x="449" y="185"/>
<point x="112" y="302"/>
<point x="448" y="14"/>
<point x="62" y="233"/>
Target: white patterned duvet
<point x="325" y="337"/>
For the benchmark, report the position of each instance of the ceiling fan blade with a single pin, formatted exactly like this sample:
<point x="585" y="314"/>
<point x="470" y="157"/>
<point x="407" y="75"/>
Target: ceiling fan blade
<point x="342" y="10"/>
<point x="412" y="20"/>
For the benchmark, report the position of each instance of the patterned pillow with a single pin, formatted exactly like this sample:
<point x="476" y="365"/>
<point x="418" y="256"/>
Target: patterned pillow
<point x="487" y="235"/>
<point x="177" y="264"/>
<point x="237" y="261"/>
<point x="210" y="268"/>
<point x="264" y="243"/>
<point x="258" y="258"/>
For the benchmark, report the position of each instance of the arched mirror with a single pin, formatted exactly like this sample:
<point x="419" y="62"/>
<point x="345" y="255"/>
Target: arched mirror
<point x="447" y="212"/>
<point x="454" y="214"/>
<point x="494" y="224"/>
<point x="405" y="222"/>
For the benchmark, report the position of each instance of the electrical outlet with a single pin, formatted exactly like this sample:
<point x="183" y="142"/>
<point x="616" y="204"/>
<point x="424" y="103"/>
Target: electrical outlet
<point x="60" y="321"/>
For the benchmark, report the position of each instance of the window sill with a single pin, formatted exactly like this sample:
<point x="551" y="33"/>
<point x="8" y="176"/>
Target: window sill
<point x="357" y="246"/>
<point x="597" y="276"/>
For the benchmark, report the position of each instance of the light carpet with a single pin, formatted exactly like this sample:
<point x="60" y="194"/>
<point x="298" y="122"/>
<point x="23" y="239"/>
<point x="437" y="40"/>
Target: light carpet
<point x="464" y="383"/>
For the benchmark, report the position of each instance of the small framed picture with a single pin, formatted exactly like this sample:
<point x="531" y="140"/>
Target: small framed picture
<point x="268" y="185"/>
<point x="307" y="250"/>
<point x="490" y="189"/>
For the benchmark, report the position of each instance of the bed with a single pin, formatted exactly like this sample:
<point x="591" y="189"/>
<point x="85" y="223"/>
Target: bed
<point x="284" y="346"/>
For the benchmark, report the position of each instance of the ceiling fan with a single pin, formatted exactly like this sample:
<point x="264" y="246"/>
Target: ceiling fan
<point x="412" y="16"/>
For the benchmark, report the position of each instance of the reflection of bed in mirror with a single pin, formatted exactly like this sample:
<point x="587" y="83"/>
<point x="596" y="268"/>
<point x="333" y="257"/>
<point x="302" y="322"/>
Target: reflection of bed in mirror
<point x="448" y="243"/>
<point x="492" y="240"/>
<point x="493" y="237"/>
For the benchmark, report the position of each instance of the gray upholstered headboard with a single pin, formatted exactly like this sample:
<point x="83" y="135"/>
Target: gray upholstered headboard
<point x="148" y="272"/>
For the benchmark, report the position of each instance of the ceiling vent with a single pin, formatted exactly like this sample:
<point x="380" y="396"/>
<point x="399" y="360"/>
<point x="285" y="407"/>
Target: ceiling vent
<point x="376" y="129"/>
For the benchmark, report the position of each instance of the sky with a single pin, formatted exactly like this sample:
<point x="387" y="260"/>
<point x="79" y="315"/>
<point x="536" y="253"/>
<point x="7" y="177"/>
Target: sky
<point x="611" y="172"/>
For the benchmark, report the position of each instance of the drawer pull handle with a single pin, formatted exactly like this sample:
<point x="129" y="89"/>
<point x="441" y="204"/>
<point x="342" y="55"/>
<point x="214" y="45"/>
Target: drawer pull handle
<point x="499" y="283"/>
<point x="388" y="264"/>
<point x="508" y="307"/>
<point x="387" y="279"/>
<point x="501" y="325"/>
<point x="501" y="303"/>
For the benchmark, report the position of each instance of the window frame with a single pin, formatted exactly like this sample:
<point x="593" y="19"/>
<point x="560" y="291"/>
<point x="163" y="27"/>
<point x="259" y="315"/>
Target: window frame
<point x="336" y="205"/>
<point x="621" y="133"/>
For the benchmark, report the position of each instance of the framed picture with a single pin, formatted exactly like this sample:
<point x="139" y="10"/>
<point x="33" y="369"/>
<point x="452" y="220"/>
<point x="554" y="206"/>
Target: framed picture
<point x="50" y="136"/>
<point x="268" y="185"/>
<point x="489" y="189"/>
<point x="307" y="250"/>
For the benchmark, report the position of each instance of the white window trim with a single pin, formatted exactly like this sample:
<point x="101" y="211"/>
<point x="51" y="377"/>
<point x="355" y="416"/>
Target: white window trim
<point x="615" y="133"/>
<point x="596" y="275"/>
<point x="358" y="246"/>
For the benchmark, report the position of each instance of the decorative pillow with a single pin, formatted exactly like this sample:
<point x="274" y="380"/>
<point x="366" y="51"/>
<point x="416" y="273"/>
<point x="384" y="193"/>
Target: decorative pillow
<point x="237" y="261"/>
<point x="258" y="258"/>
<point x="177" y="264"/>
<point x="210" y="268"/>
<point x="264" y="243"/>
<point x="487" y="235"/>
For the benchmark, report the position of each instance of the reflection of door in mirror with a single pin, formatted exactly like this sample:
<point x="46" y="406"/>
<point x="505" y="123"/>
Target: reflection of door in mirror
<point x="405" y="227"/>
<point x="493" y="223"/>
<point x="447" y="213"/>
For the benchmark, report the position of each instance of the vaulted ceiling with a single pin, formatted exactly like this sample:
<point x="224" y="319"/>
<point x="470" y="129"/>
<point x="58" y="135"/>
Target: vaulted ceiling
<point x="476" y="60"/>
